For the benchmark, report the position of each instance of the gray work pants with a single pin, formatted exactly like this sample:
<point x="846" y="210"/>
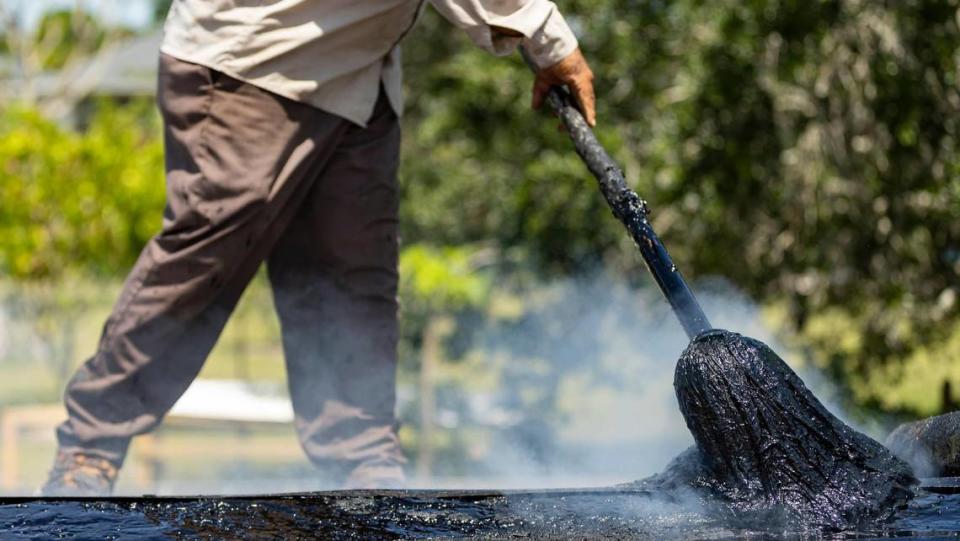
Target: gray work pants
<point x="253" y="177"/>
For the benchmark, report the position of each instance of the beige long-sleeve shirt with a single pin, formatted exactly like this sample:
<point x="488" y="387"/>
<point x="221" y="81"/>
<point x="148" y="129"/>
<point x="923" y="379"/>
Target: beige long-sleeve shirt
<point x="333" y="54"/>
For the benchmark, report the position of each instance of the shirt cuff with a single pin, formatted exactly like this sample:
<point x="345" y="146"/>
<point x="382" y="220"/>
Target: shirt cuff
<point x="552" y="42"/>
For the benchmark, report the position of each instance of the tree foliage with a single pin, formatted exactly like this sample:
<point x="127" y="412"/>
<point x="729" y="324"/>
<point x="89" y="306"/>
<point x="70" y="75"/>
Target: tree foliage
<point x="806" y="151"/>
<point x="78" y="201"/>
<point x="62" y="35"/>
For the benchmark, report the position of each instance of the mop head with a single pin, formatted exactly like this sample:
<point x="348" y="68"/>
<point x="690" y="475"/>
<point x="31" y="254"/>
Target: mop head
<point x="764" y="443"/>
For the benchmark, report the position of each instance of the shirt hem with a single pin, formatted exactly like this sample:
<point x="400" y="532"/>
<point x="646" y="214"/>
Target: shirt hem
<point x="170" y="50"/>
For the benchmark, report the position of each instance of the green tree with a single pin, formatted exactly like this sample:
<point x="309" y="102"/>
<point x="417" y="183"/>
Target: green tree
<point x="78" y="202"/>
<point x="63" y="35"/>
<point x="804" y="150"/>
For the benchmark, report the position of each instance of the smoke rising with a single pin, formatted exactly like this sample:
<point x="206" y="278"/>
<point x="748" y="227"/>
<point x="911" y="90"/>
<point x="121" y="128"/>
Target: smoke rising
<point x="582" y="392"/>
<point x="594" y="358"/>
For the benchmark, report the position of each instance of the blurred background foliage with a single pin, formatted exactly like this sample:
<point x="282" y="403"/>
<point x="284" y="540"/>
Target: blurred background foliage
<point x="804" y="151"/>
<point x="78" y="202"/>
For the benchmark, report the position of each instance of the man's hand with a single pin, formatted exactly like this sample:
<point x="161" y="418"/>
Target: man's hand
<point x="574" y="72"/>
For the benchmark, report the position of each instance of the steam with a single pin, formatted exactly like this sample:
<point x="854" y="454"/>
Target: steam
<point x="584" y="397"/>
<point x="612" y="350"/>
<point x="919" y="457"/>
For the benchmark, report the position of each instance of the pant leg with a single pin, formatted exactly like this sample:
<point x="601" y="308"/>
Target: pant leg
<point x="238" y="160"/>
<point x="334" y="276"/>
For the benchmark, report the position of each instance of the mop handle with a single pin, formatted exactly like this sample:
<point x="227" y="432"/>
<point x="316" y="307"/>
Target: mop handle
<point x="630" y="210"/>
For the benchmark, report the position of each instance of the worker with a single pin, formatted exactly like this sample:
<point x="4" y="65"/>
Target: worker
<point x="282" y="143"/>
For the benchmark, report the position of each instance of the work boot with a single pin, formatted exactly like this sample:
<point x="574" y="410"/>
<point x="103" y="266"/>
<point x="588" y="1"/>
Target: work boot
<point x="80" y="474"/>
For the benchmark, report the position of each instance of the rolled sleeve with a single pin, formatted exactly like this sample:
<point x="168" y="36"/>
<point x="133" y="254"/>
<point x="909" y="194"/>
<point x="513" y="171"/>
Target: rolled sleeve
<point x="538" y="26"/>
